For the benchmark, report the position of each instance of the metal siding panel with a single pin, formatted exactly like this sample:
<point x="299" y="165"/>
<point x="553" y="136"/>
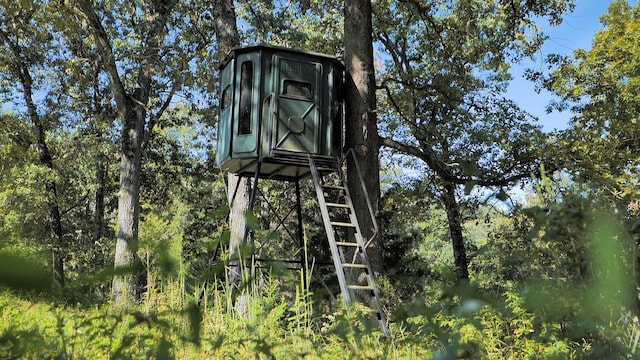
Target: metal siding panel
<point x="246" y="145"/>
<point x="225" y="116"/>
<point x="284" y="127"/>
<point x="296" y="127"/>
<point x="268" y="98"/>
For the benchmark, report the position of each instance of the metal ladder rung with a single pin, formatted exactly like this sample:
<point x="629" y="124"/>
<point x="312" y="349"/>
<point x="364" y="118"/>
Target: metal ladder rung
<point x="342" y="224"/>
<point x="328" y="204"/>
<point x="357" y="266"/>
<point x="338" y="205"/>
<point x="345" y="243"/>
<point x="372" y="311"/>
<point x="360" y="287"/>
<point x="333" y="187"/>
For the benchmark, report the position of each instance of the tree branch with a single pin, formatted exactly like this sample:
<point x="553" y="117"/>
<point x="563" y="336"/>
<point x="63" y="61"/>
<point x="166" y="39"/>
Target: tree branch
<point x="445" y="171"/>
<point x="106" y="54"/>
<point x="154" y="117"/>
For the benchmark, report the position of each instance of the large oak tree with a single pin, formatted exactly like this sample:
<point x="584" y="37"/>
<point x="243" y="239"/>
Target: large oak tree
<point x="150" y="52"/>
<point x="601" y="87"/>
<point x="444" y="88"/>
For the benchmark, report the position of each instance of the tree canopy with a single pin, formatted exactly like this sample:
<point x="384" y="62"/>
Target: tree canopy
<point x="600" y="87"/>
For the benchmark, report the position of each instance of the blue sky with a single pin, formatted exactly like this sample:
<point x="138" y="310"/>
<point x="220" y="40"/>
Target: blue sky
<point x="576" y="31"/>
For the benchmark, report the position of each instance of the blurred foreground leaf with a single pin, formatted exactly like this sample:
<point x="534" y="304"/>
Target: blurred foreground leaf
<point x="19" y="273"/>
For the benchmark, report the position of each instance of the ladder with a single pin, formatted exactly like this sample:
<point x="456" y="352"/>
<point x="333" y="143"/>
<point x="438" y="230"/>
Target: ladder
<point x="348" y="248"/>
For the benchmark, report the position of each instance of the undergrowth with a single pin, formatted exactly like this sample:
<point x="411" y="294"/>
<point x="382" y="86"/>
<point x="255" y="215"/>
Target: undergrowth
<point x="462" y="322"/>
<point x="33" y="327"/>
<point x="543" y="318"/>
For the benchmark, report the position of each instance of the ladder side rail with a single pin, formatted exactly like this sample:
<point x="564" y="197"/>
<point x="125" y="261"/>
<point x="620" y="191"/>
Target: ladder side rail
<point x="346" y="293"/>
<point x="358" y="235"/>
<point x="353" y="219"/>
<point x="372" y="213"/>
<point x="362" y="246"/>
<point x="302" y="241"/>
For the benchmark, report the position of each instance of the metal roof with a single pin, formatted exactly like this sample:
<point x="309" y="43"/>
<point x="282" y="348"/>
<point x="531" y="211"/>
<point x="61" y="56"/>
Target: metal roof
<point x="257" y="47"/>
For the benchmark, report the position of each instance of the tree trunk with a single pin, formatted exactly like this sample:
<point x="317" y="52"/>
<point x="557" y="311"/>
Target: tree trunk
<point x="361" y="131"/>
<point x="226" y="31"/>
<point x="226" y="28"/>
<point x="54" y="220"/>
<point x="101" y="163"/>
<point x="98" y="212"/>
<point x="44" y="156"/>
<point x="126" y="287"/>
<point x="455" y="230"/>
<point x="237" y="222"/>
<point x="133" y="114"/>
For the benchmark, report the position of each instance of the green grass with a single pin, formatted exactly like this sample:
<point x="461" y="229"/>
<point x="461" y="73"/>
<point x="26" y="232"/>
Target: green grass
<point x="280" y="323"/>
<point x="273" y="328"/>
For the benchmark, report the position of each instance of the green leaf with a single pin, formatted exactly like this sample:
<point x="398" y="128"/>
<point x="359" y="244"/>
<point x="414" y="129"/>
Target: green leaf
<point x="19" y="273"/>
<point x="502" y="195"/>
<point x="468" y="186"/>
<point x="252" y="220"/>
<point x="194" y="317"/>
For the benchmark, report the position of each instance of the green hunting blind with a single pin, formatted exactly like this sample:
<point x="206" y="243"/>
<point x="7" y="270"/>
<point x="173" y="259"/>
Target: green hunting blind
<point x="277" y="107"/>
<point x="281" y="117"/>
